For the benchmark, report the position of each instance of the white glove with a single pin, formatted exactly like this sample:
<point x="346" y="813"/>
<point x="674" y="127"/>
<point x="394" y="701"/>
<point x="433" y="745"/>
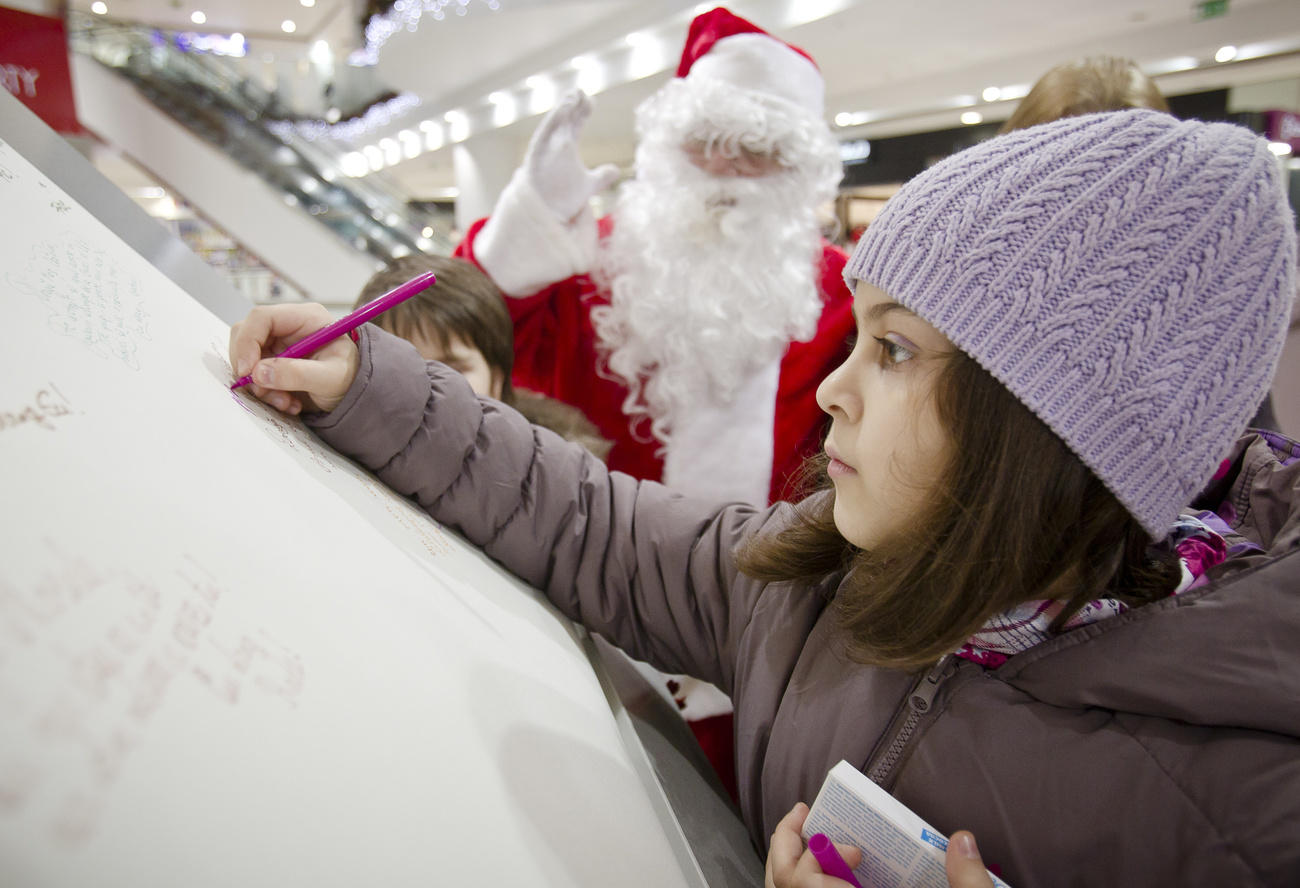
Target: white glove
<point x="553" y="166"/>
<point x="542" y="229"/>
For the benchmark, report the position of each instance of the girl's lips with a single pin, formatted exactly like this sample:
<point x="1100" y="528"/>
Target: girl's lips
<point x="837" y="468"/>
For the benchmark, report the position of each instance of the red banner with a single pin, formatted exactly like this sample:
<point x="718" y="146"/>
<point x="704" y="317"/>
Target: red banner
<point x="34" y="66"/>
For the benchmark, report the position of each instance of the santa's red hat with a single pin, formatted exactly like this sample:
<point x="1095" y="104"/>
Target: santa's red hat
<point x="723" y="46"/>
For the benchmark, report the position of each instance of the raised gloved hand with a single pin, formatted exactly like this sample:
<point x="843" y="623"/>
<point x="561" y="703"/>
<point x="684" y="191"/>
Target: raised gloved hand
<point x="553" y="166"/>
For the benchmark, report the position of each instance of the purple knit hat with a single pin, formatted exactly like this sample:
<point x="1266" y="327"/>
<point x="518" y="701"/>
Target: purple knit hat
<point x="1128" y="276"/>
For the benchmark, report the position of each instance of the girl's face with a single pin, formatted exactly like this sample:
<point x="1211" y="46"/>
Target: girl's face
<point x="463" y="358"/>
<point x="885" y="444"/>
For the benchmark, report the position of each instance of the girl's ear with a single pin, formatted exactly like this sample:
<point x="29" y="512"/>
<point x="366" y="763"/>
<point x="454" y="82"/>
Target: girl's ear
<point x="497" y="384"/>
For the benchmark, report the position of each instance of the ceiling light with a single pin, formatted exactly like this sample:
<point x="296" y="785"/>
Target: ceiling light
<point x="426" y="231"/>
<point x="308" y="3"/>
<point x="99" y="7"/>
<point x="543" y="95"/>
<point x="582" y="62"/>
<point x="457" y="125"/>
<point x="648" y="55"/>
<point x="198" y="17"/>
<point x="1281" y="149"/>
<point x="971" y="117"/>
<point x="392" y="151"/>
<point x="410" y="143"/>
<point x="287" y="26"/>
<point x="1225" y="54"/>
<point x="991" y="94"/>
<point x="498" y="98"/>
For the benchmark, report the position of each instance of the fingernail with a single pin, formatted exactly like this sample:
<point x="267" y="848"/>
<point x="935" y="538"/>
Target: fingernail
<point x="264" y="374"/>
<point x="966" y="846"/>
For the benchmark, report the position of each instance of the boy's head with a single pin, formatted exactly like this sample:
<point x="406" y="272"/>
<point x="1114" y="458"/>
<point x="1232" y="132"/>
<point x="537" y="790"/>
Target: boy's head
<point x="1126" y="276"/>
<point x="461" y="320"/>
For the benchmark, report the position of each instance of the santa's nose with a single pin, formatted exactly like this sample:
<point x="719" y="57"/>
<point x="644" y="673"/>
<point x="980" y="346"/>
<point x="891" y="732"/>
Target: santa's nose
<point x="716" y="163"/>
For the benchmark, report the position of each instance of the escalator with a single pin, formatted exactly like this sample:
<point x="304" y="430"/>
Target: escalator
<point x="211" y="137"/>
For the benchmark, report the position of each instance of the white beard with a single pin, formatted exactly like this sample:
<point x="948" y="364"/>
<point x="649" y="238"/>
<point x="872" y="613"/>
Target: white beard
<point x="710" y="278"/>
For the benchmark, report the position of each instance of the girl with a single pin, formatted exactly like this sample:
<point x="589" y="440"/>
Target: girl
<point x="1050" y="593"/>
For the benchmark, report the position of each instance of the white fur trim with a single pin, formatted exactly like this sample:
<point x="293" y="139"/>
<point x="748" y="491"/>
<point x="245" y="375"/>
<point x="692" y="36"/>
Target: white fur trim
<point x="699" y="699"/>
<point x="524" y="246"/>
<point x="763" y="64"/>
<point x="725" y="453"/>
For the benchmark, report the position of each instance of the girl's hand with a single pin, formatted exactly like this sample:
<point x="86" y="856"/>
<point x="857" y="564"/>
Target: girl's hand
<point x="790" y="865"/>
<point x="292" y="385"/>
<point x="963" y="864"/>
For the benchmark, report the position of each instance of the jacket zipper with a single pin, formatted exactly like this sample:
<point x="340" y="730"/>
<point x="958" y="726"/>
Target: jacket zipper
<point x="919" y="702"/>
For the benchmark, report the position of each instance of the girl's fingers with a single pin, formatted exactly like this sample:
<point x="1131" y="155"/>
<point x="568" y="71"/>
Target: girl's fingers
<point x="964" y="866"/>
<point x="270" y="328"/>
<point x="786" y="847"/>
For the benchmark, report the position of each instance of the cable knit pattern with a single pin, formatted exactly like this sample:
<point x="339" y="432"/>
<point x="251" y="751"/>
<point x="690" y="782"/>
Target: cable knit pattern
<point x="1128" y="276"/>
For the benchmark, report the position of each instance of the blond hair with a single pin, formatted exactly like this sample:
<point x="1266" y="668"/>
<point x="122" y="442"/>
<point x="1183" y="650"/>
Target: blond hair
<point x="1098" y="83"/>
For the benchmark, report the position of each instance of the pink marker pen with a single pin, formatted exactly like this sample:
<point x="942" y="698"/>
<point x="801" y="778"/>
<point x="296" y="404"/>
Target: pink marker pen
<point x="325" y="335"/>
<point x="829" y="859"/>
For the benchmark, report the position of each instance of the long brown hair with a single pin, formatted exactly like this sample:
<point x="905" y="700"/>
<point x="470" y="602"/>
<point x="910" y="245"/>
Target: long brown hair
<point x="1099" y="83"/>
<point x="1016" y="517"/>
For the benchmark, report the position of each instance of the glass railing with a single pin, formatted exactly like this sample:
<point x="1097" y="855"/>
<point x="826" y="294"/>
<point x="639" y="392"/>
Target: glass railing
<point x="245" y="120"/>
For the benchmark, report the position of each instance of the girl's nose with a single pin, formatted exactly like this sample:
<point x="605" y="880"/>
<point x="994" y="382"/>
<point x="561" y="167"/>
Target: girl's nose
<point x="833" y="395"/>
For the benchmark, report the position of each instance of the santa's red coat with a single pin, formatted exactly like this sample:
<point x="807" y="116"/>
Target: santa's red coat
<point x="556" y="355"/>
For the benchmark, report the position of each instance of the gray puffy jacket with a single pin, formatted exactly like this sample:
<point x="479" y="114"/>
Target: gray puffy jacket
<point x="1159" y="747"/>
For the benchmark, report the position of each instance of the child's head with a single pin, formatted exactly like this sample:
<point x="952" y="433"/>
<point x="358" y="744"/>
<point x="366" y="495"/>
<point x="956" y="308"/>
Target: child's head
<point x="1099" y="83"/>
<point x="1061" y="333"/>
<point x="461" y="320"/>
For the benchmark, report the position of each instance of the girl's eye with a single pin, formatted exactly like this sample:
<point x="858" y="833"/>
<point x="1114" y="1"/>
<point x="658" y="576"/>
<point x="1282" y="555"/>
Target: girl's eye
<point x="891" y="352"/>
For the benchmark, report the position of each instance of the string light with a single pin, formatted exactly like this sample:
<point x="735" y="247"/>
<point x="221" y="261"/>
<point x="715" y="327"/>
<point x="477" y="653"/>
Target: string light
<point x="406" y="16"/>
<point x="355" y="130"/>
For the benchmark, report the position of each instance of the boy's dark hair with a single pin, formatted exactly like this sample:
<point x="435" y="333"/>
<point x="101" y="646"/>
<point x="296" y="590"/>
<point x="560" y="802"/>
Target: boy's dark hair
<point x="1016" y="517"/>
<point x="1099" y="83"/>
<point x="463" y="303"/>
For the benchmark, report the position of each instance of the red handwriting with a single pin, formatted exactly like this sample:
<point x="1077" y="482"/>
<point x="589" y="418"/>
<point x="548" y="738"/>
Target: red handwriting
<point x="89" y="656"/>
<point x="47" y="405"/>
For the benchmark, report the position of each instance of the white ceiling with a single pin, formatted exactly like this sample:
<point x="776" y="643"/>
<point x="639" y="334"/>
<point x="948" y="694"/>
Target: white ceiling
<point x="905" y="62"/>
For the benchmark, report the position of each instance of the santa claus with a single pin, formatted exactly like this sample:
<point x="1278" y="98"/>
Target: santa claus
<point x="693" y="325"/>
